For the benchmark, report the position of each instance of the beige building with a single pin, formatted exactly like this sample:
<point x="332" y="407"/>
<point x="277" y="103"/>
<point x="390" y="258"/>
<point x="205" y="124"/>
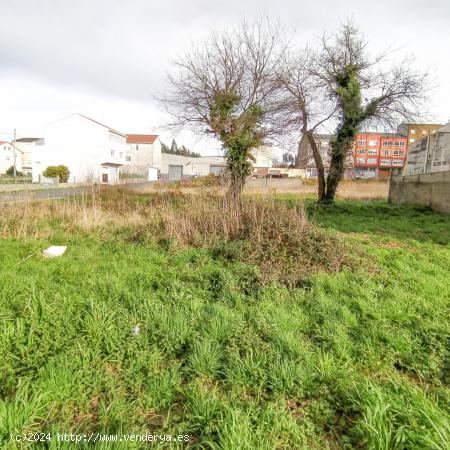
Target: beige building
<point x="143" y="152"/>
<point x="27" y="146"/>
<point x="305" y="158"/>
<point x="416" y="131"/>
<point x="429" y="154"/>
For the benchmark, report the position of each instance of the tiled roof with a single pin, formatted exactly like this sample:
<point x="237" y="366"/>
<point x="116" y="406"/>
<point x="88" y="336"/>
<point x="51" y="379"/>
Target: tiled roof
<point x="3" y="142"/>
<point x="141" y="138"/>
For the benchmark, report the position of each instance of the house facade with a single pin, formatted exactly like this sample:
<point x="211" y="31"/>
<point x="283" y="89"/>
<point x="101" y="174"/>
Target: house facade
<point x="143" y="153"/>
<point x="305" y="158"/>
<point x="92" y="151"/>
<point x="7" y="157"/>
<point x="27" y="145"/>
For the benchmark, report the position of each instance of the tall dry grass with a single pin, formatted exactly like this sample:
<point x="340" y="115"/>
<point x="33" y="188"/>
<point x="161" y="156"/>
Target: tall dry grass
<point x="263" y="230"/>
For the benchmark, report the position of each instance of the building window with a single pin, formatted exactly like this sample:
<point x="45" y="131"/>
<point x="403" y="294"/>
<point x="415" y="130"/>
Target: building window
<point x="398" y="153"/>
<point x="385" y="162"/>
<point x="371" y="160"/>
<point x="361" y="160"/>
<point x="128" y="158"/>
<point x="386" y="152"/>
<point x="361" y="142"/>
<point x="362" y="151"/>
<point x="372" y="151"/>
<point x="411" y="140"/>
<point x="397" y="162"/>
<point x="137" y="147"/>
<point x="121" y="155"/>
<point x="113" y="152"/>
<point x="372" y="143"/>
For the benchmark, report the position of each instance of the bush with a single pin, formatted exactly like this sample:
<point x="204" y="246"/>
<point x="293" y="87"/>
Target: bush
<point x="61" y="172"/>
<point x="10" y="172"/>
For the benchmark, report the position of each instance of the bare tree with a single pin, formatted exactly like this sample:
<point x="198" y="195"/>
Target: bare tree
<point x="306" y="104"/>
<point x="225" y="87"/>
<point x="341" y="82"/>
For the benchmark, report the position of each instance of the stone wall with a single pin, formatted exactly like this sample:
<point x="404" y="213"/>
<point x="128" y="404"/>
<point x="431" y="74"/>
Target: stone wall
<point x="429" y="189"/>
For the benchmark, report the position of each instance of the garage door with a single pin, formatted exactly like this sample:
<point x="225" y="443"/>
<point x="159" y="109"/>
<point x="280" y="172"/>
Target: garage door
<point x="175" y="173"/>
<point x="216" y="170"/>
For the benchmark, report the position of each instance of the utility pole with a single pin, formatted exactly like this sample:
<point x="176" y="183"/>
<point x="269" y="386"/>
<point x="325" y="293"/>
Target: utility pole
<point x="14" y="156"/>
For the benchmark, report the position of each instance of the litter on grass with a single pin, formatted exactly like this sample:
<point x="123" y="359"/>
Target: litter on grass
<point x="54" y="250"/>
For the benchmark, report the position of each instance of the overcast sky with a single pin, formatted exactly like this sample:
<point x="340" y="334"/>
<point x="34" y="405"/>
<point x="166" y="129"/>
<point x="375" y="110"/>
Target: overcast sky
<point x="107" y="58"/>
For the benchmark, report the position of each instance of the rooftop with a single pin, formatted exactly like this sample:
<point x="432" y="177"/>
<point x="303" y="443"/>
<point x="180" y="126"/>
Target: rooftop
<point x="27" y="139"/>
<point x="141" y="138"/>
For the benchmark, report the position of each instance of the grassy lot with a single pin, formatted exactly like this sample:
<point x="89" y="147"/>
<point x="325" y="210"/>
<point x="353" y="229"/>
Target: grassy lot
<point x="356" y="357"/>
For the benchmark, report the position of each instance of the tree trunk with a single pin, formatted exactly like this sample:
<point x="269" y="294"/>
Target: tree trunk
<point x="237" y="174"/>
<point x="340" y="148"/>
<point x="319" y="166"/>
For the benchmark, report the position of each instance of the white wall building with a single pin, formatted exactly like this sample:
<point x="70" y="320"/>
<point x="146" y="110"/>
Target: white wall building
<point x="143" y="152"/>
<point x="177" y="167"/>
<point x="263" y="158"/>
<point x="429" y="154"/>
<point x="93" y="152"/>
<point x="26" y="145"/>
<point x="7" y="157"/>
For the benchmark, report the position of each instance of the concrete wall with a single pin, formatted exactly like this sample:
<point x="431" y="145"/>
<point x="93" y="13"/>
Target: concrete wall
<point x="429" y="189"/>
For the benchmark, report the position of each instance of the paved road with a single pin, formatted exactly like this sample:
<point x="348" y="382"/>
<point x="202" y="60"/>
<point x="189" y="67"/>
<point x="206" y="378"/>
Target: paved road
<point x="51" y="194"/>
<point x="43" y="194"/>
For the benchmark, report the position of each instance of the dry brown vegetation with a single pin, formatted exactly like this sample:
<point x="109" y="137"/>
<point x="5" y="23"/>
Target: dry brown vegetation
<point x="265" y="231"/>
<point x="348" y="189"/>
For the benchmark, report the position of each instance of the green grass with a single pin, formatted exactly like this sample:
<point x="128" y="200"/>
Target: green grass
<point x="357" y="359"/>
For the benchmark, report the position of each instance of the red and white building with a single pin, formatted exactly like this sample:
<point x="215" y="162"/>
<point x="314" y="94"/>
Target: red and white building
<point x="378" y="153"/>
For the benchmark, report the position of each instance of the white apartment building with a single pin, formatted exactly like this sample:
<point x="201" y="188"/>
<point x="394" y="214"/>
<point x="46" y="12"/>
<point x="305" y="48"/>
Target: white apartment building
<point x="92" y="151"/>
<point x="7" y="157"/>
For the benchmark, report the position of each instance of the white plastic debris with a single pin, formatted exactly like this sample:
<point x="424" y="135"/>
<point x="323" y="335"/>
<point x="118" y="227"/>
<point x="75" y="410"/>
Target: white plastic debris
<point x="54" y="250"/>
<point x="136" y="330"/>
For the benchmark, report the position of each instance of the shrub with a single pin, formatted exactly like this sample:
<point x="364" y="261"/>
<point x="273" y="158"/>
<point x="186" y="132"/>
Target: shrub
<point x="61" y="172"/>
<point x="278" y="239"/>
<point x="10" y="172"/>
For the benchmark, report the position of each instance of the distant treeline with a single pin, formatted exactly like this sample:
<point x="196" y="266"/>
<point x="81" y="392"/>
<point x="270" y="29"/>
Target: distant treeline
<point x="175" y="150"/>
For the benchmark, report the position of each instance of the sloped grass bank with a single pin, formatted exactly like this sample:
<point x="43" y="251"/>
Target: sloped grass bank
<point x="351" y="359"/>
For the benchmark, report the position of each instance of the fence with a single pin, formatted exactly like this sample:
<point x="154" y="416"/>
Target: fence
<point x="12" y="180"/>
